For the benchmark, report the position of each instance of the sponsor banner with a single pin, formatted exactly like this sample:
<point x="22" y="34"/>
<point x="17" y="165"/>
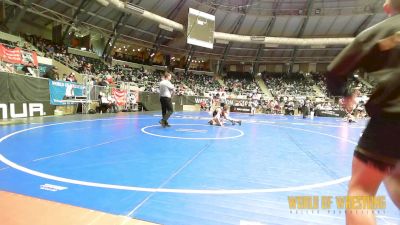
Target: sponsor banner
<point x="26" y="89"/>
<point x="229" y="101"/>
<point x="238" y="102"/>
<point x="24" y="96"/>
<point x="196" y="100"/>
<point x="330" y="113"/>
<point x="4" y="90"/>
<point x="242" y="109"/>
<point x="23" y="110"/>
<point x="119" y="96"/>
<point x="61" y="90"/>
<point x="151" y="102"/>
<point x="17" y="56"/>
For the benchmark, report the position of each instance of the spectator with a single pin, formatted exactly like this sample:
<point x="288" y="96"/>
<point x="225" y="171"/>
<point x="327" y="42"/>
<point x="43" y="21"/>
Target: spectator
<point x="52" y="74"/>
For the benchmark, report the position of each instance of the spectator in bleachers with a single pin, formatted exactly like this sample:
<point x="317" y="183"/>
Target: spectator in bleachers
<point x="7" y="67"/>
<point x="284" y="87"/>
<point x="71" y="78"/>
<point x="52" y="73"/>
<point x="29" y="69"/>
<point x="281" y="84"/>
<point x="240" y="84"/>
<point x="198" y="84"/>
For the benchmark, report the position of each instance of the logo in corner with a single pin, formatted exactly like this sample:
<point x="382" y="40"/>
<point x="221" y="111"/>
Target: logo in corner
<point x="51" y="187"/>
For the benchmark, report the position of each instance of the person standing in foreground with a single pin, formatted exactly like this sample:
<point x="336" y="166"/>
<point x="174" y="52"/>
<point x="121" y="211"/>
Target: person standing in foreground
<point x="166" y="91"/>
<point x="377" y="156"/>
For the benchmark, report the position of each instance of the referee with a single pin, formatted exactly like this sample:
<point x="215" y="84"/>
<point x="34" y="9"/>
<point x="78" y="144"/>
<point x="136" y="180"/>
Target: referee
<point x="166" y="91"/>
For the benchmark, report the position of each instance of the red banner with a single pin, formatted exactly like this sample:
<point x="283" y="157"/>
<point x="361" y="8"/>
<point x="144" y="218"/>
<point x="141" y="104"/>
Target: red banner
<point x="119" y="96"/>
<point x="17" y="56"/>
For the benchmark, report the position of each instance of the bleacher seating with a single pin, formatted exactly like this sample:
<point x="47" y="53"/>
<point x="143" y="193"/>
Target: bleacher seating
<point x="241" y="84"/>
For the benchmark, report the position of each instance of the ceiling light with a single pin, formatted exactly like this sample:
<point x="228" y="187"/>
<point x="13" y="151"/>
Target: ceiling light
<point x="219" y="41"/>
<point x="164" y="27"/>
<point x="134" y="8"/>
<point x="257" y="38"/>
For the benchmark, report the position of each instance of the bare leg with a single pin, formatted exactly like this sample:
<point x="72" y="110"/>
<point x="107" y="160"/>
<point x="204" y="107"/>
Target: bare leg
<point x="219" y="122"/>
<point x="365" y="181"/>
<point x="230" y="119"/>
<point x="215" y="121"/>
<point x="392" y="183"/>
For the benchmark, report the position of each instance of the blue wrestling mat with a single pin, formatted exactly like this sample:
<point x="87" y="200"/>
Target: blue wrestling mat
<point x="189" y="174"/>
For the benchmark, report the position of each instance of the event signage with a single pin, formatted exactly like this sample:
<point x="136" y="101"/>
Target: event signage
<point x="242" y="109"/>
<point x="17" y="56"/>
<point x="61" y="90"/>
<point x="119" y="96"/>
<point x="28" y="110"/>
<point x="24" y="96"/>
<point x="330" y="113"/>
<point x="228" y="101"/>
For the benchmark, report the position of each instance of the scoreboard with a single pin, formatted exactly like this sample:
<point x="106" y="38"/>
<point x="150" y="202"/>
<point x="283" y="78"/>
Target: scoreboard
<point x="200" y="29"/>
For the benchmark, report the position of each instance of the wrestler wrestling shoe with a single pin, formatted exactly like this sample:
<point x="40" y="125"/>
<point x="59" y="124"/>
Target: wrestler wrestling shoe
<point x="162" y="123"/>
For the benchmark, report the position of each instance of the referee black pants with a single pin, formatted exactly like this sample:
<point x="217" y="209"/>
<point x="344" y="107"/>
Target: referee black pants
<point x="166" y="107"/>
